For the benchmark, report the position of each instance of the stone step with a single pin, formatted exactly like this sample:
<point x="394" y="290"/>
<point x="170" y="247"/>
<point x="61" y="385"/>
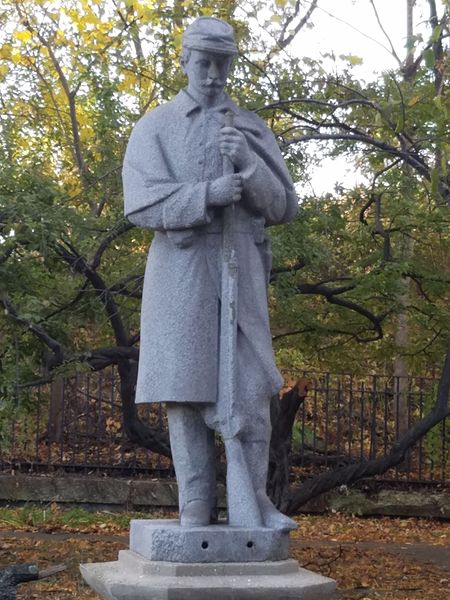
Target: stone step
<point x="134" y="578"/>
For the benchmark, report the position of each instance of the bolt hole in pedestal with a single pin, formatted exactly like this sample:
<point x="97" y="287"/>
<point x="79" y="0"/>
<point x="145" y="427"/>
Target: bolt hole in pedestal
<point x="205" y="545"/>
<point x="249" y="544"/>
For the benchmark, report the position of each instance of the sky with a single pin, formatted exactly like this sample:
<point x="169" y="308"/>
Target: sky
<point x="350" y="27"/>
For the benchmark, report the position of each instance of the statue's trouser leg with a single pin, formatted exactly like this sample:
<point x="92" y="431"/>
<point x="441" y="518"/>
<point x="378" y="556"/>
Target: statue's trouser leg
<point x="243" y="508"/>
<point x="256" y="395"/>
<point x="251" y="412"/>
<point x="193" y="453"/>
<point x="257" y="457"/>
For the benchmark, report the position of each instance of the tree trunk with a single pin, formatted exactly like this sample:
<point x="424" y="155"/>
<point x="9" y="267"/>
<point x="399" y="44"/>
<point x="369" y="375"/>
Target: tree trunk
<point x="409" y="34"/>
<point x="55" y="427"/>
<point x="401" y="341"/>
<point x="401" y="335"/>
<point x="136" y="431"/>
<point x="283" y="412"/>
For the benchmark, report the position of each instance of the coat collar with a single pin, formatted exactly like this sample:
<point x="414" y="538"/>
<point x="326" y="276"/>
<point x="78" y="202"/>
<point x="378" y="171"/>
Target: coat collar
<point x="254" y="131"/>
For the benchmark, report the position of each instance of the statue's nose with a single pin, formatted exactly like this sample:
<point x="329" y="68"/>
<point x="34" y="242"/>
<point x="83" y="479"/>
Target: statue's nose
<point x="213" y="71"/>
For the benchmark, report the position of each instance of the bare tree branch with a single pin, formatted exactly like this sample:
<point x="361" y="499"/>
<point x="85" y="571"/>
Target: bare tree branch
<point x="377" y="16"/>
<point x="101" y="358"/>
<point x="282" y="41"/>
<point x="70" y="95"/>
<point x="57" y="348"/>
<point x="121" y="287"/>
<point x="410" y="158"/>
<point x="325" y="103"/>
<point x="70" y="304"/>
<point x="80" y="265"/>
<point x="279" y="336"/>
<point x="121" y="227"/>
<point x="300" y="264"/>
<point x="372" y="39"/>
<point x="331" y="295"/>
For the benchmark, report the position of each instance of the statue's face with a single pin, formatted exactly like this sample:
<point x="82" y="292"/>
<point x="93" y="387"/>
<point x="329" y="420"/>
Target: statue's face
<point x="207" y="72"/>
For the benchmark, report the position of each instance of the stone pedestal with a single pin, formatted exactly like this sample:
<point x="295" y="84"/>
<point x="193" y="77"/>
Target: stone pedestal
<point x="167" y="562"/>
<point x="167" y="541"/>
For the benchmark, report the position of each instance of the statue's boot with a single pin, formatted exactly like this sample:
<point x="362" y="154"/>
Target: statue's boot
<point x="195" y="513"/>
<point x="193" y="454"/>
<point x="257" y="459"/>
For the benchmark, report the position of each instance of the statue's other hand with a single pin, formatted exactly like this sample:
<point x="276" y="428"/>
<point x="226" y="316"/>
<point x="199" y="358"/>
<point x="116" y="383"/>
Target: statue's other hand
<point x="232" y="143"/>
<point x="225" y="190"/>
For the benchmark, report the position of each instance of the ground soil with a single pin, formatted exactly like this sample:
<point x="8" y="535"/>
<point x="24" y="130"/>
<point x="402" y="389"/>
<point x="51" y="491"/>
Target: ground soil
<point x="386" y="559"/>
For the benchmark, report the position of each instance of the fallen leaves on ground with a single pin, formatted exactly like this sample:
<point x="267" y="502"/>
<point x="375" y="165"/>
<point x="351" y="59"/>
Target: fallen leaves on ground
<point x="336" y="527"/>
<point x="343" y="528"/>
<point x="362" y="574"/>
<point x="367" y="575"/>
<point x="370" y="575"/>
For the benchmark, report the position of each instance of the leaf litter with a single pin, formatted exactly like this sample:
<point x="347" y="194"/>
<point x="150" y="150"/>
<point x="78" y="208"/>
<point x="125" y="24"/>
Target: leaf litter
<point x="362" y="574"/>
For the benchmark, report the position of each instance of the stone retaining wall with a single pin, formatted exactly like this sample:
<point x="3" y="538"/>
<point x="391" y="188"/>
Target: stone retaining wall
<point x="136" y="495"/>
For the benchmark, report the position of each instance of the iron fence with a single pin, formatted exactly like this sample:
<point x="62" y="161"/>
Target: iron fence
<point x="344" y="420"/>
<point x="75" y="424"/>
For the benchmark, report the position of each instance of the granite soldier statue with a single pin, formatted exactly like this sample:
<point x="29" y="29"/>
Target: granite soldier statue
<point x="175" y="184"/>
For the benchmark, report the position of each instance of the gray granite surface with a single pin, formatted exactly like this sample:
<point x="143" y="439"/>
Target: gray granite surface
<point x="132" y="578"/>
<point x="167" y="541"/>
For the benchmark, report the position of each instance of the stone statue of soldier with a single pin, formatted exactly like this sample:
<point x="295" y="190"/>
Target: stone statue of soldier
<point x="174" y="184"/>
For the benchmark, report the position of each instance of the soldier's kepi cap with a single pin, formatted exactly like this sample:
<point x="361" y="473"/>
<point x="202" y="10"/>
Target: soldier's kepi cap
<point x="210" y="34"/>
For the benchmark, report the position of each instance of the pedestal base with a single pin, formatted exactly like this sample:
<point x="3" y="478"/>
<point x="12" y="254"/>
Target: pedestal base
<point x="164" y="540"/>
<point x="133" y="577"/>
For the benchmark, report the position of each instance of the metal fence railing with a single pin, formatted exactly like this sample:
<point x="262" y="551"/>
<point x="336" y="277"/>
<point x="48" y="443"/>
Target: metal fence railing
<point x="345" y="420"/>
<point x="75" y="424"/>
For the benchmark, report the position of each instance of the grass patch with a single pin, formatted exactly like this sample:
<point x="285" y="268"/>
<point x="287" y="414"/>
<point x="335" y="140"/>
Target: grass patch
<point x="52" y="517"/>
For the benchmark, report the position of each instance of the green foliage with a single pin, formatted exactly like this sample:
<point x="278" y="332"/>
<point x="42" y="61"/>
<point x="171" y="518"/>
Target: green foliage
<point x="303" y="437"/>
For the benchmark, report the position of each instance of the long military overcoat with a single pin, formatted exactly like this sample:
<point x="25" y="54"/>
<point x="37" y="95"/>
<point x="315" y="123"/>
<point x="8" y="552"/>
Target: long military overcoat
<point x="170" y="160"/>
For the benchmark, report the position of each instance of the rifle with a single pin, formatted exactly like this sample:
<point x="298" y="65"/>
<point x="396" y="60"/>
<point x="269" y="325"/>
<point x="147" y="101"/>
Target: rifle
<point x="243" y="509"/>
